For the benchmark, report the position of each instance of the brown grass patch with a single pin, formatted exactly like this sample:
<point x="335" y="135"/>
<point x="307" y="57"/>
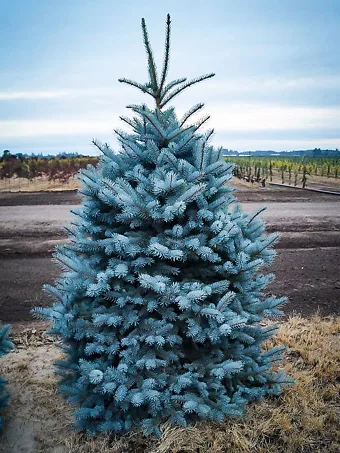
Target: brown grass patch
<point x="40" y="184"/>
<point x="305" y="418"/>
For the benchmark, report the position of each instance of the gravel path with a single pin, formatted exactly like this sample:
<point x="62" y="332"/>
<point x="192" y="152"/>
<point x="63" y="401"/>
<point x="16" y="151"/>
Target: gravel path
<point x="44" y="220"/>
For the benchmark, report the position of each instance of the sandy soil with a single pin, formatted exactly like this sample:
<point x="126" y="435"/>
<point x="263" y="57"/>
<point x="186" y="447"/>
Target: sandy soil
<point x="307" y="265"/>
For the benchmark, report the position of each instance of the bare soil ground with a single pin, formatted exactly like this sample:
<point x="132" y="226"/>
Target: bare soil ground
<point x="245" y="192"/>
<point x="316" y="182"/>
<point x="306" y="267"/>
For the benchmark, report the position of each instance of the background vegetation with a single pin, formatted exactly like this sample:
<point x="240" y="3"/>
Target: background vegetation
<point x="21" y="172"/>
<point x="60" y="167"/>
<point x="290" y="170"/>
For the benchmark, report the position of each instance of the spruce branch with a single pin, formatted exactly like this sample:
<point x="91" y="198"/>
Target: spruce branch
<point x="140" y="86"/>
<point x="66" y="264"/>
<point x="215" y="169"/>
<point x="223" y="181"/>
<point x="173" y="84"/>
<point x="126" y="145"/>
<point x="171" y="160"/>
<point x="158" y="129"/>
<point x="187" y="141"/>
<point x="151" y="60"/>
<point x="173" y="135"/>
<point x="256" y="214"/>
<point x="202" y="156"/>
<point x="129" y="122"/>
<point x="151" y="117"/>
<point x="120" y="134"/>
<point x="97" y="144"/>
<point x="201" y="122"/>
<point x="166" y="56"/>
<point x="144" y="122"/>
<point x="70" y="232"/>
<point x="191" y="112"/>
<point x="266" y="245"/>
<point x="161" y="92"/>
<point x="208" y="135"/>
<point x="184" y="86"/>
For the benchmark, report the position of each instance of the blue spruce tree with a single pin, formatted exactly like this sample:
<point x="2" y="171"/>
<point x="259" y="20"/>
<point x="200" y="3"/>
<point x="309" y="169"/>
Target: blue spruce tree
<point x="5" y="346"/>
<point x="160" y="302"/>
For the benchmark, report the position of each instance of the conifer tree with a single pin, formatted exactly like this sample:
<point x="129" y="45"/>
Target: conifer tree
<point x="161" y="299"/>
<point x="5" y="346"/>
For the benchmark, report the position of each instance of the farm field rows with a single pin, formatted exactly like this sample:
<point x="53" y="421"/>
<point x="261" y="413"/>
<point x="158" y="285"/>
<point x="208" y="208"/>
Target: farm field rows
<point x="310" y="172"/>
<point x="34" y="174"/>
<point x="57" y="174"/>
<point x="306" y="266"/>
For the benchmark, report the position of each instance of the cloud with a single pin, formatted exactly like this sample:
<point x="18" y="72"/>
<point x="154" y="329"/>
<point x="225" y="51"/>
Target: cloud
<point x="244" y="117"/>
<point x="43" y="128"/>
<point x="238" y="143"/>
<point x="260" y="86"/>
<point x="272" y="84"/>
<point x="302" y="91"/>
<point x="253" y="117"/>
<point x="276" y="145"/>
<point x="31" y="95"/>
<point x="236" y="117"/>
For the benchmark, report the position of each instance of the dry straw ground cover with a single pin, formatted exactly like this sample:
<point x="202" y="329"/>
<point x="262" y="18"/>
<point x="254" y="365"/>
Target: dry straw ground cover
<point x="305" y="418"/>
<point x="40" y="184"/>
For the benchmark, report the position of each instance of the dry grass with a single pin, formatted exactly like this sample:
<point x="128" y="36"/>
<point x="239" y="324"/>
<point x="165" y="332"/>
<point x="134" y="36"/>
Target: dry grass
<point x="305" y="418"/>
<point x="41" y="184"/>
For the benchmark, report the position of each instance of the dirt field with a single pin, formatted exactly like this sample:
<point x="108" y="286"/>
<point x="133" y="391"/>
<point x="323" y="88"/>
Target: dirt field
<point x="307" y="265"/>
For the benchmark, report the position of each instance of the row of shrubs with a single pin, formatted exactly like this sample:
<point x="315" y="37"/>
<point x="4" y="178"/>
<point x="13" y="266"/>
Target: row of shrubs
<point x="53" y="169"/>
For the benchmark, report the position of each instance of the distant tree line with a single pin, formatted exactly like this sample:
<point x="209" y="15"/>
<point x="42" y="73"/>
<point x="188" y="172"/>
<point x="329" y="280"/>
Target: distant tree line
<point x="316" y="152"/>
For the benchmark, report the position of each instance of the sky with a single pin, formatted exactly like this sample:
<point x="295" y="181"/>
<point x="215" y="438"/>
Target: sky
<point x="277" y="65"/>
